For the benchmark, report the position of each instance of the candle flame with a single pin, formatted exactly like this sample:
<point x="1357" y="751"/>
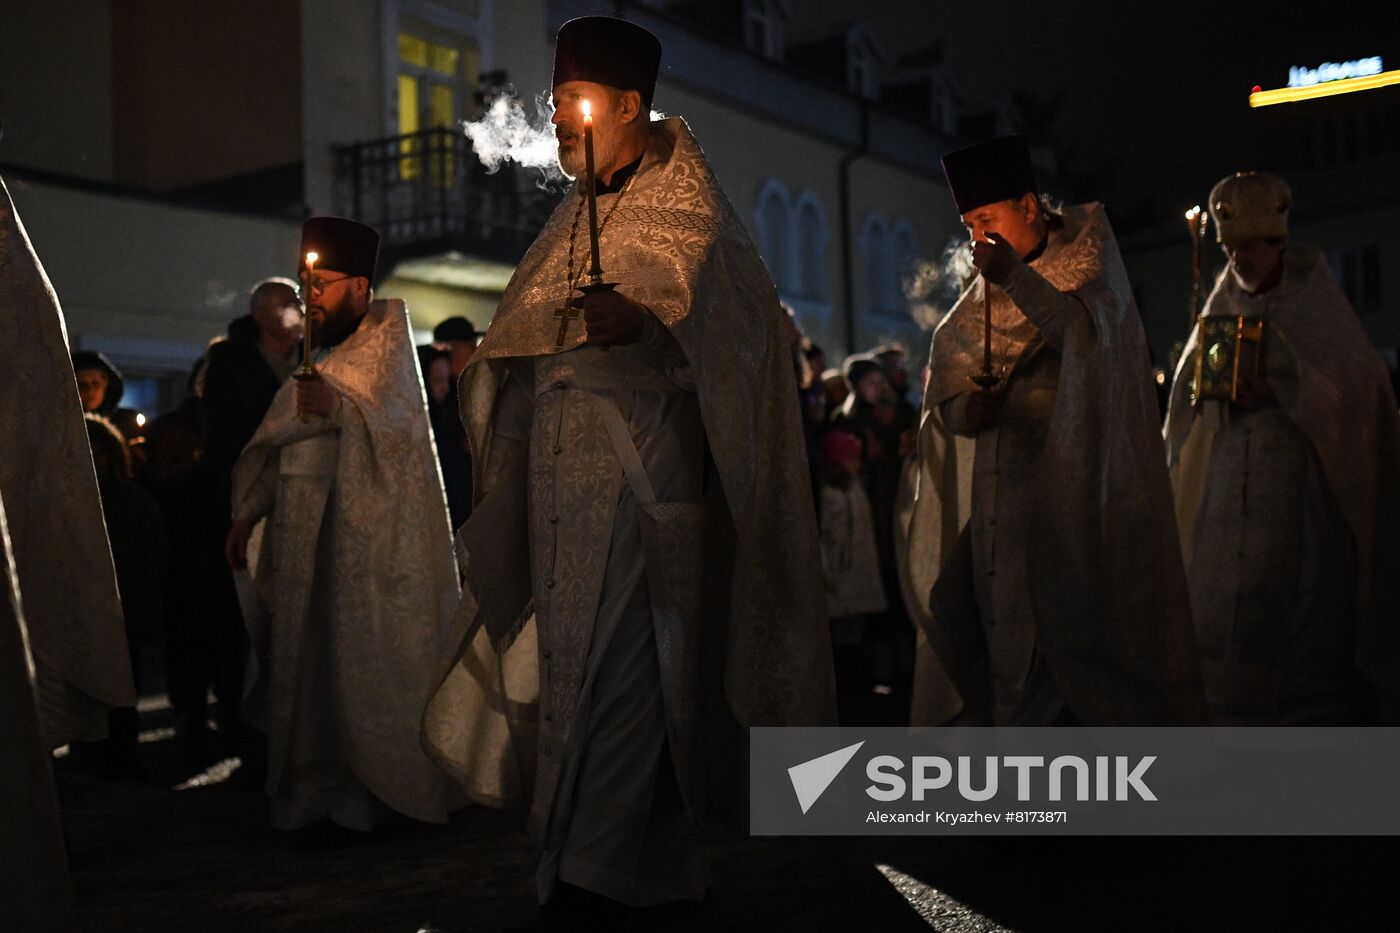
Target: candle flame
<point x="312" y="257"/>
<point x="1194" y="212"/>
<point x="587" y="110"/>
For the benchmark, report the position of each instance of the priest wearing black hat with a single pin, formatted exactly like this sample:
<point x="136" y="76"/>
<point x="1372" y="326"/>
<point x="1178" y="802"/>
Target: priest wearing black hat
<point x="353" y="585"/>
<point x="1042" y="547"/>
<point x="594" y="419"/>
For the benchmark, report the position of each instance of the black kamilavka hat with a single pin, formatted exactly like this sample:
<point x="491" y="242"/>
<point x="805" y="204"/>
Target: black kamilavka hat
<point x="996" y="170"/>
<point x="608" y="51"/>
<point x="455" y="328"/>
<point x="345" y="246"/>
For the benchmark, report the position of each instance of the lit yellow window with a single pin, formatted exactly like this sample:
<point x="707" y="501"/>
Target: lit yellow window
<point x="413" y="50"/>
<point x="442" y="112"/>
<point x="442" y="106"/>
<point x="429" y="85"/>
<point x="442" y="59"/>
<point x="408" y="123"/>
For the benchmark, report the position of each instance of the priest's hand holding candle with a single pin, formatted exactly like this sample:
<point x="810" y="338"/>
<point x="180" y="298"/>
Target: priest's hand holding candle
<point x="994" y="257"/>
<point x="315" y="396"/>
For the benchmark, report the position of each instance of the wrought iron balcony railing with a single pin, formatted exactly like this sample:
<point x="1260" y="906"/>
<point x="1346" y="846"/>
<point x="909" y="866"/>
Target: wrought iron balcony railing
<point x="426" y="193"/>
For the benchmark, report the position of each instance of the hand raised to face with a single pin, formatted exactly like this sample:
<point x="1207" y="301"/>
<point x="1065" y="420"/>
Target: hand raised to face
<point x="995" y="257"/>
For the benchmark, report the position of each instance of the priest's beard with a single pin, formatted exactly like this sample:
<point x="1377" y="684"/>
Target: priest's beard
<point x="1252" y="279"/>
<point x="571" y="155"/>
<point x="338" y="320"/>
<point x="1245" y="281"/>
<point x="1257" y="265"/>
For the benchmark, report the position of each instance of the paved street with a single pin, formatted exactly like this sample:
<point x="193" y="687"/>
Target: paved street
<point x="151" y="858"/>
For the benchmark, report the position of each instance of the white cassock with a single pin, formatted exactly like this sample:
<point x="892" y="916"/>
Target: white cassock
<point x="602" y="564"/>
<point x="355" y="587"/>
<point x="76" y="628"/>
<point x="1290" y="513"/>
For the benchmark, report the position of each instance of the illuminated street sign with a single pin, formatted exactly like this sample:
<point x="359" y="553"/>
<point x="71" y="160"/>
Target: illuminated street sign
<point x="1326" y="80"/>
<point x="1332" y="71"/>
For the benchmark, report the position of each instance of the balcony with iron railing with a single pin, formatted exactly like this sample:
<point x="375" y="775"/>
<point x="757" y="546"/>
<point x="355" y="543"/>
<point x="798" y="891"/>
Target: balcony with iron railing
<point x="428" y="194"/>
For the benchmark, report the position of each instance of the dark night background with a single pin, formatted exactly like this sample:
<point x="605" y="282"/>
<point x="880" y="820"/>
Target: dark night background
<point x="1149" y="102"/>
<point x="153" y="241"/>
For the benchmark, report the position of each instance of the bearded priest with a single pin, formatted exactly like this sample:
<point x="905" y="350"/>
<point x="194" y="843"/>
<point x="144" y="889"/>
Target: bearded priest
<point x="642" y="502"/>
<point x="354" y="581"/>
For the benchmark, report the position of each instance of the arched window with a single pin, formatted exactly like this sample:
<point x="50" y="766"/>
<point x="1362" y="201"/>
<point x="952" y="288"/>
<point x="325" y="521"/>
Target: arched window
<point x="773" y="221"/>
<point x="864" y="60"/>
<point x="810" y="277"/>
<point x="879" y="265"/>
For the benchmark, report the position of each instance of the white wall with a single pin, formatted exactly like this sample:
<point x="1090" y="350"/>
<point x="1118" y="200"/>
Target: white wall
<point x="148" y="282"/>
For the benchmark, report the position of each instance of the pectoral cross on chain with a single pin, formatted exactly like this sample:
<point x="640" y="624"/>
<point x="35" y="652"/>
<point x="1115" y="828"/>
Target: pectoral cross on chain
<point x="565" y="314"/>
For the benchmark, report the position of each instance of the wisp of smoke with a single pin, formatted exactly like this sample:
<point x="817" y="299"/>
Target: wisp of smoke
<point x="506" y="133"/>
<point x="290" y="315"/>
<point x="934" y="286"/>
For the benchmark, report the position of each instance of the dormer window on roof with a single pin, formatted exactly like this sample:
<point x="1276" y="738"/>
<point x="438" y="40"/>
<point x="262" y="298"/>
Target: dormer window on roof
<point x="864" y="62"/>
<point x="764" y="27"/>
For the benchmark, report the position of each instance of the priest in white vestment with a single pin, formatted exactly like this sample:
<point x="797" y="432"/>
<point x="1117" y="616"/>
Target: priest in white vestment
<point x="1287" y="482"/>
<point x="355" y="580"/>
<point x="36" y="893"/>
<point x="69" y="585"/>
<point x="48" y="488"/>
<point x="1042" y="551"/>
<point x="644" y="527"/>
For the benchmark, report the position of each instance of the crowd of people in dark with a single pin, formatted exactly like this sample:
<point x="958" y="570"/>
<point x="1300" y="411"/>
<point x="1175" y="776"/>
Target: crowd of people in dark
<point x="860" y="421"/>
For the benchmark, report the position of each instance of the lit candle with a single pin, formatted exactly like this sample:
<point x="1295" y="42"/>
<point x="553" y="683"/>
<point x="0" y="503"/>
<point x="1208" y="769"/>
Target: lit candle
<point x="307" y="371"/>
<point x="1196" y="220"/>
<point x="986" y="379"/>
<point x="306" y="334"/>
<point x="986" y="326"/>
<point x="595" y="271"/>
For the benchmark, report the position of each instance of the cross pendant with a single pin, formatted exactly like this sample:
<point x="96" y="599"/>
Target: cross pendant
<point x="565" y="314"/>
